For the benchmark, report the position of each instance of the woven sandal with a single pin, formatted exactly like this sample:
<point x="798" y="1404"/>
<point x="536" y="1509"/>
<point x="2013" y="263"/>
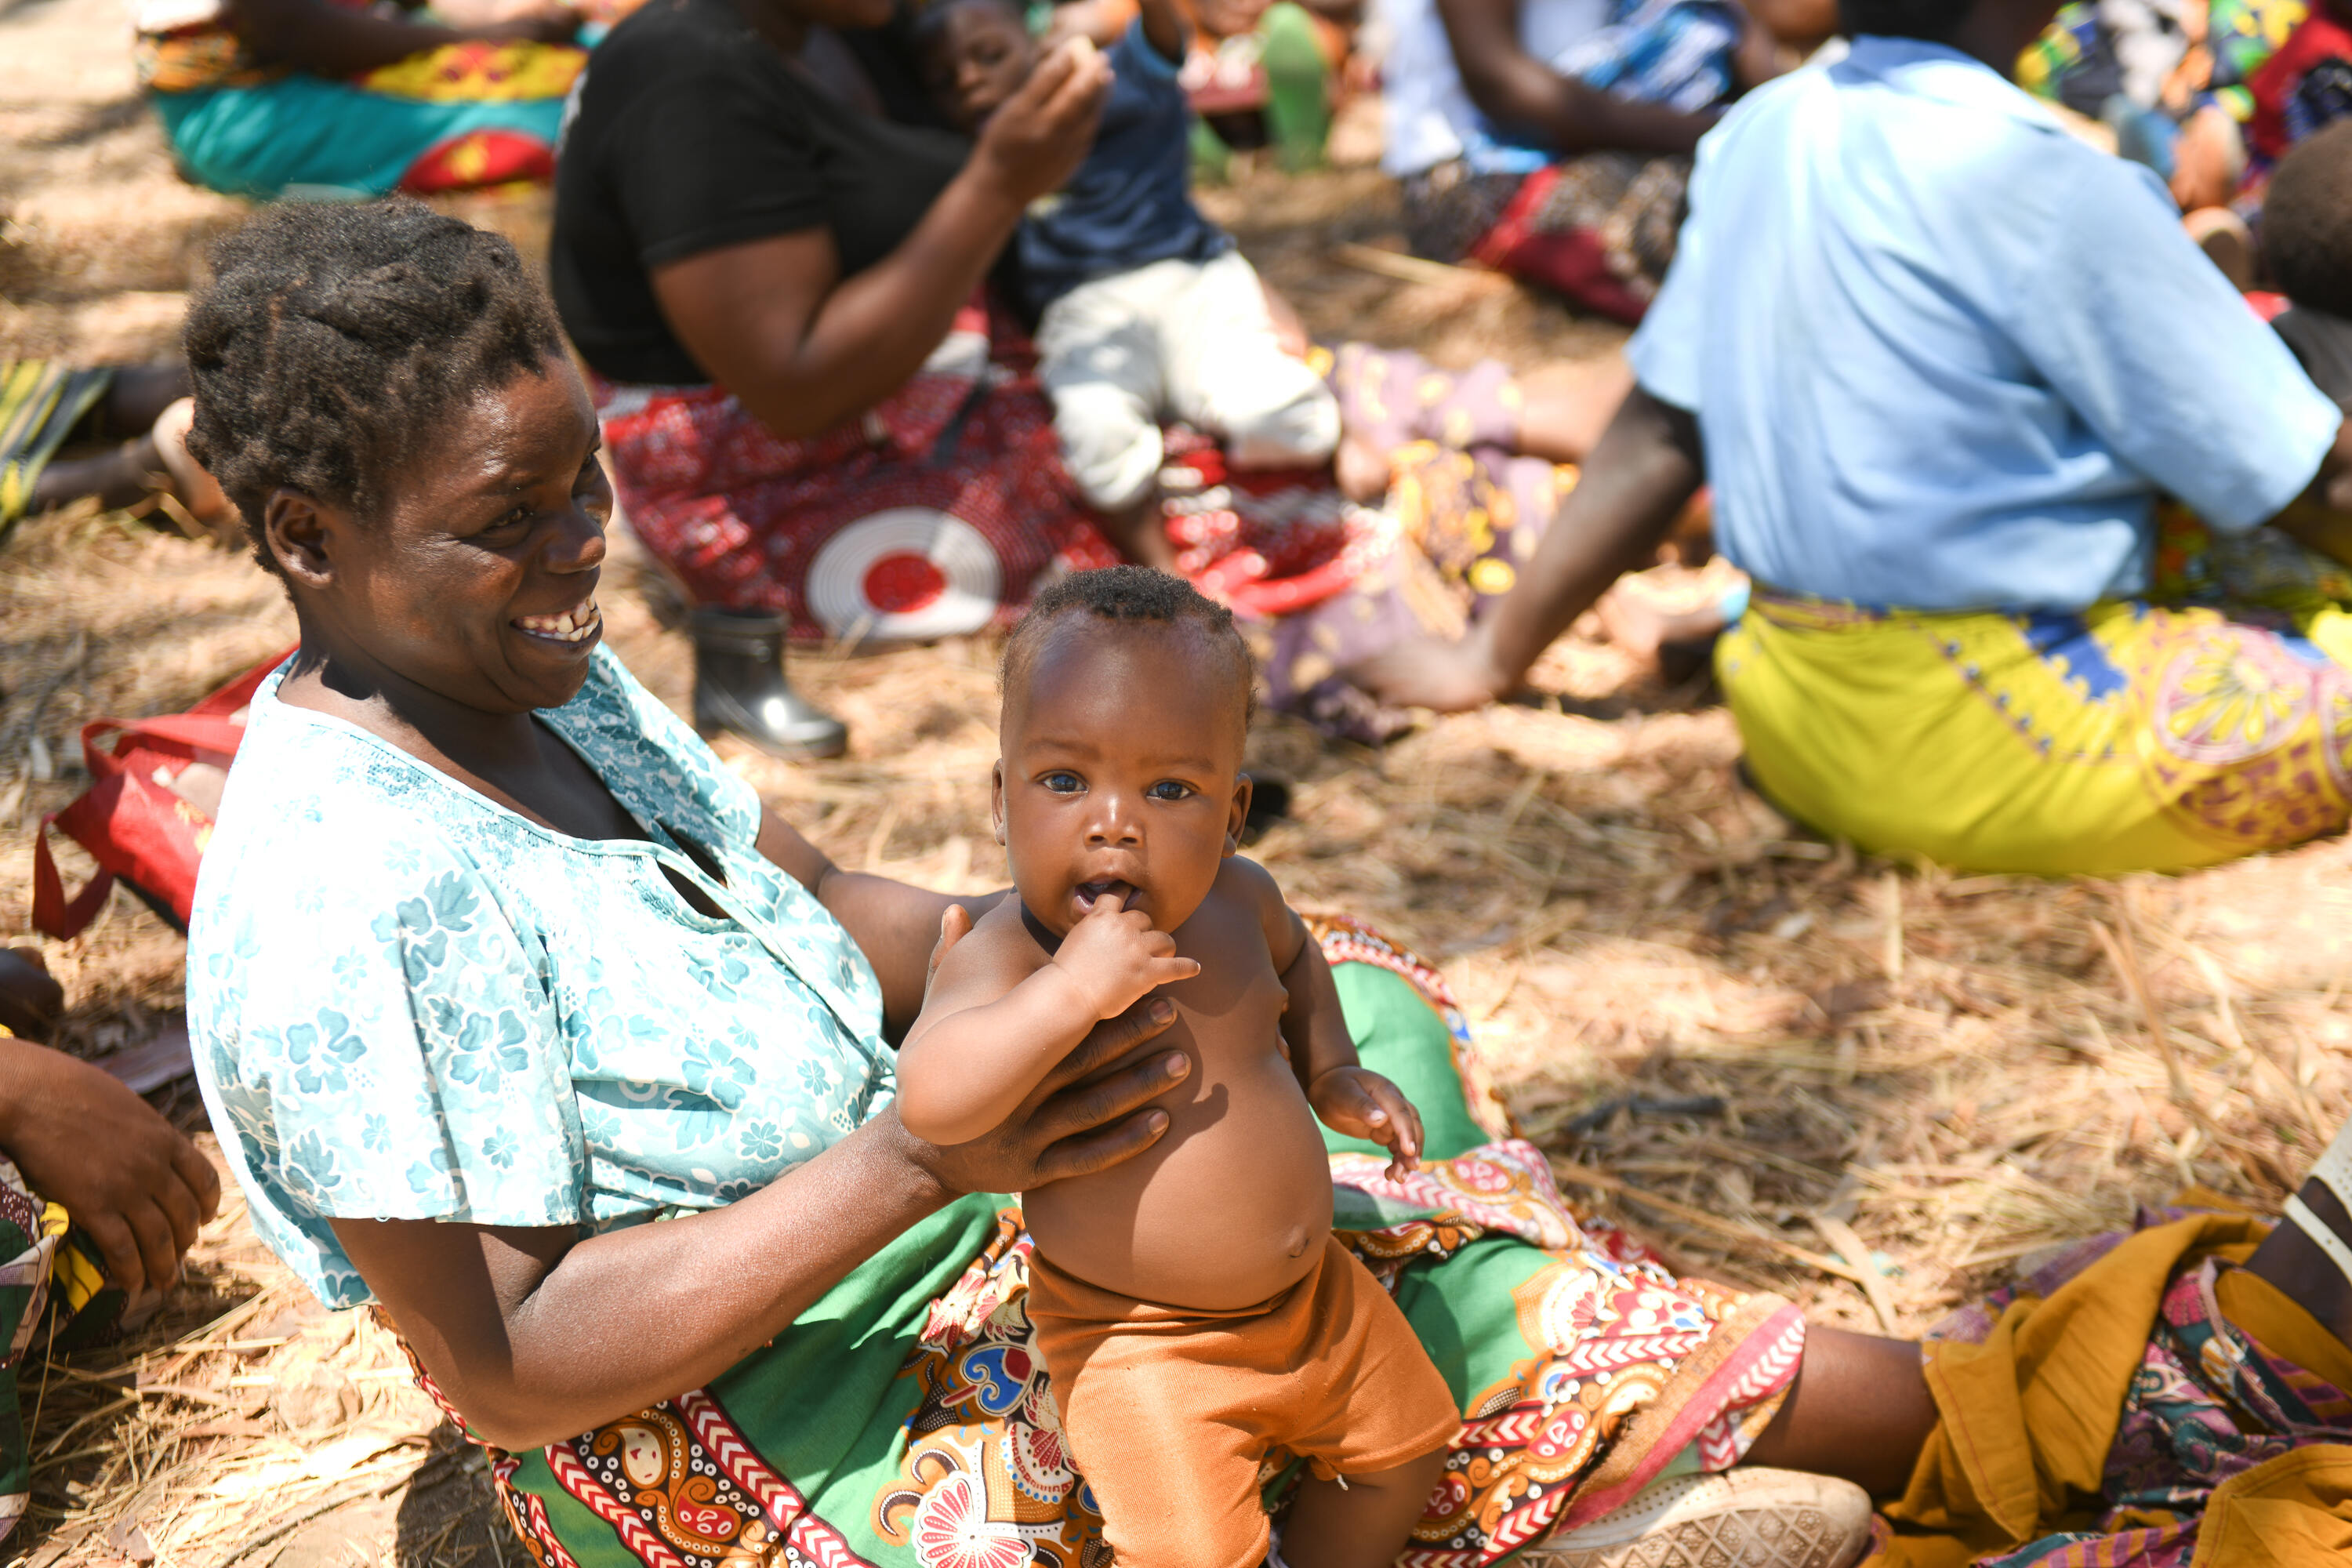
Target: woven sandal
<point x="1739" y="1519"/>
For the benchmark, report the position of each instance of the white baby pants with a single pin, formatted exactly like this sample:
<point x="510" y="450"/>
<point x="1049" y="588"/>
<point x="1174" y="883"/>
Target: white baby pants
<point x="1187" y="338"/>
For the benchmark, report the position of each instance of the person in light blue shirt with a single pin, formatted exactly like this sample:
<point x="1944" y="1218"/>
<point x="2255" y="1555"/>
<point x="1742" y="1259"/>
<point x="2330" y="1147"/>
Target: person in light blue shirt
<point x="1945" y="355"/>
<point x="1953" y="376"/>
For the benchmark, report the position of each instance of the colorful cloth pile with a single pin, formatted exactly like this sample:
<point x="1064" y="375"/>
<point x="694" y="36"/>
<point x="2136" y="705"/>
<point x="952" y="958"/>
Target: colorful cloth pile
<point x="2140" y="1402"/>
<point x="464" y="115"/>
<point x="907" y="1420"/>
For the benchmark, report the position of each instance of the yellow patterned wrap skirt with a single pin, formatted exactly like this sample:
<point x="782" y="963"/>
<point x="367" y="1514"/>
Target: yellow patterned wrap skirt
<point x="2132" y="736"/>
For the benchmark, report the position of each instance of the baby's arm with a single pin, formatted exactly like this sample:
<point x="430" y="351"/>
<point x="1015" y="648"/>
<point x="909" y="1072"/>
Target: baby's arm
<point x="1347" y="1096"/>
<point x="1164" y="29"/>
<point x="998" y="1014"/>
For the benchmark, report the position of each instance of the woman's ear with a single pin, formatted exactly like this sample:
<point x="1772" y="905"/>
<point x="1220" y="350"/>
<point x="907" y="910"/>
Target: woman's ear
<point x="996" y="802"/>
<point x="296" y="529"/>
<point x="1237" y="812"/>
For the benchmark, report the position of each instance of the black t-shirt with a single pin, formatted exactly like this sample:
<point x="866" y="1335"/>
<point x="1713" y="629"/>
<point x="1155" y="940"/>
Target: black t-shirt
<point x="692" y="133"/>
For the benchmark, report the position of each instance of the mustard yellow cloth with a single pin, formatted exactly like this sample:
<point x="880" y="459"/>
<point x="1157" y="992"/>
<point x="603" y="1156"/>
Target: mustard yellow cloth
<point x="2026" y="1447"/>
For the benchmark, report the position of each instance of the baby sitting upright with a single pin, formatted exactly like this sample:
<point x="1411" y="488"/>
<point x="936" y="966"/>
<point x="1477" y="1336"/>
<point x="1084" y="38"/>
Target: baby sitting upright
<point x="1192" y="1307"/>
<point x="1144" y="308"/>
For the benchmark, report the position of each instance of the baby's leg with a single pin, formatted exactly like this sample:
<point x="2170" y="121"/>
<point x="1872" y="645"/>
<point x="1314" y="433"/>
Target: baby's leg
<point x="1364" y="1523"/>
<point x="1228" y="375"/>
<point x="1098" y="357"/>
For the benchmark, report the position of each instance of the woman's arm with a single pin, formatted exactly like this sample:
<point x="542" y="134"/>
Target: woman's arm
<point x="1513" y="87"/>
<point x="534" y="1335"/>
<point x="2321" y="518"/>
<point x="333" y="41"/>
<point x="801" y="347"/>
<point x="896" y="925"/>
<point x="1648" y="465"/>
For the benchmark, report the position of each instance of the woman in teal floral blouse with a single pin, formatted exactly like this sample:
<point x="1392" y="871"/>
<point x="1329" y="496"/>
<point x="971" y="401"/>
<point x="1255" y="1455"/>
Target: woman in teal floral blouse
<point x="492" y="964"/>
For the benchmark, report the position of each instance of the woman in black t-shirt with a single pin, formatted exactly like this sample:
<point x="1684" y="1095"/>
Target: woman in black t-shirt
<point x="771" y="287"/>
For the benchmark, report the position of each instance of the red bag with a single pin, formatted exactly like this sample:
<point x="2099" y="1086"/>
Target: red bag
<point x="133" y="821"/>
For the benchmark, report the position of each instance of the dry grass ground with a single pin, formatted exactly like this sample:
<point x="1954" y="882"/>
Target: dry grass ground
<point x="1867" y="1085"/>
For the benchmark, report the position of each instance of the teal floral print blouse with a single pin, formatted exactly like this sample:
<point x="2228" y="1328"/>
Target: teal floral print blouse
<point x="410" y="1003"/>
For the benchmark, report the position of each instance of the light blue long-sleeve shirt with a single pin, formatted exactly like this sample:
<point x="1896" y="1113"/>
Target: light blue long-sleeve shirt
<point x="1944" y="355"/>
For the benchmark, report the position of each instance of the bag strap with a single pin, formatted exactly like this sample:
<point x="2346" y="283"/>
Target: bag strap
<point x="53" y="914"/>
<point x="206" y="732"/>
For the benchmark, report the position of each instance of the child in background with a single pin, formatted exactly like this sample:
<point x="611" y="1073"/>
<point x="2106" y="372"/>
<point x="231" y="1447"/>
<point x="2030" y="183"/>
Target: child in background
<point x="2172" y="79"/>
<point x="1192" y="1307"/>
<point x="1144" y="308"/>
<point x="2307" y="252"/>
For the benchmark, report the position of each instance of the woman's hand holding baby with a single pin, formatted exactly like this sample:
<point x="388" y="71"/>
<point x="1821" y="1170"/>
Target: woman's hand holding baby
<point x="1362" y="1104"/>
<point x="1032" y="143"/>
<point x="1113" y="957"/>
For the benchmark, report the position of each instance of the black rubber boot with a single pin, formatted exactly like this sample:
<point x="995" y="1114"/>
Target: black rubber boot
<point x="740" y="687"/>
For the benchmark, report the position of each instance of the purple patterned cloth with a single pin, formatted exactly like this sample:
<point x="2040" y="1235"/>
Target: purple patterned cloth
<point x="2209" y="1402"/>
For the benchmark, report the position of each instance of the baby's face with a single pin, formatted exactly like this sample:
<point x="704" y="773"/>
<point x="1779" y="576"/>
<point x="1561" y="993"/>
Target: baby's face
<point x="1121" y="772"/>
<point x="977" y="56"/>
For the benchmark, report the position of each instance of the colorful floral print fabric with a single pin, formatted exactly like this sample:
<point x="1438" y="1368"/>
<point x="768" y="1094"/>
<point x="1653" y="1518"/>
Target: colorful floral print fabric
<point x="2228" y="1446"/>
<point x="411" y="1003"/>
<point x="907" y="1421"/>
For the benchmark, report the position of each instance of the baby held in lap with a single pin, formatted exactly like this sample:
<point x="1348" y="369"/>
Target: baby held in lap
<point x="1144" y="308"/>
<point x="1192" y="1308"/>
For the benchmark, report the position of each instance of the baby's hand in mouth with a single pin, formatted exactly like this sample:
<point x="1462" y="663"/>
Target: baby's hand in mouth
<point x="1113" y="954"/>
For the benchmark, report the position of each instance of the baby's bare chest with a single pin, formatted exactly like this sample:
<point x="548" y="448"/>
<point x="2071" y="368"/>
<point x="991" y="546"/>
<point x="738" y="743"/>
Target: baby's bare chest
<point x="1232" y="1009"/>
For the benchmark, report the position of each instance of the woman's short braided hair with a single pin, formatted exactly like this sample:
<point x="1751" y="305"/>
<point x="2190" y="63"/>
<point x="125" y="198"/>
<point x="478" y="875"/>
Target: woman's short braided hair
<point x="334" y="338"/>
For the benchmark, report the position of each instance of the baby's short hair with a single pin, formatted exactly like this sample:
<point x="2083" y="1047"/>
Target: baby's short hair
<point x="2308" y="222"/>
<point x="1128" y="595"/>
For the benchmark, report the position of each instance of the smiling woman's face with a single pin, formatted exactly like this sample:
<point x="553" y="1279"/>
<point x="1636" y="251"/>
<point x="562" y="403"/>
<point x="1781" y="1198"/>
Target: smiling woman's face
<point x="475" y="577"/>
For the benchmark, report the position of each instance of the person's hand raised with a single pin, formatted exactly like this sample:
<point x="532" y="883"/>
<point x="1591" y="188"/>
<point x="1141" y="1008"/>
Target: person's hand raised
<point x="1038" y="137"/>
<point x="1079" y="1119"/>
<point x="1116" y="959"/>
<point x="126" y="1175"/>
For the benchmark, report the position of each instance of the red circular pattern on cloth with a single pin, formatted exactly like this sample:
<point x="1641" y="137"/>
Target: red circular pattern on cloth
<point x="903" y="582"/>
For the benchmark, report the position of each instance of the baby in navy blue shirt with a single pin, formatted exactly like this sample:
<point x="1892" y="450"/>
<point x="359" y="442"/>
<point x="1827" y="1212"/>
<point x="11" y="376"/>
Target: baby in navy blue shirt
<point x="1145" y="309"/>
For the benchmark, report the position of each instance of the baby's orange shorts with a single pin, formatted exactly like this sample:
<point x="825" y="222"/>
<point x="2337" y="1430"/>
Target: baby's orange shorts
<point x="1168" y="1410"/>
